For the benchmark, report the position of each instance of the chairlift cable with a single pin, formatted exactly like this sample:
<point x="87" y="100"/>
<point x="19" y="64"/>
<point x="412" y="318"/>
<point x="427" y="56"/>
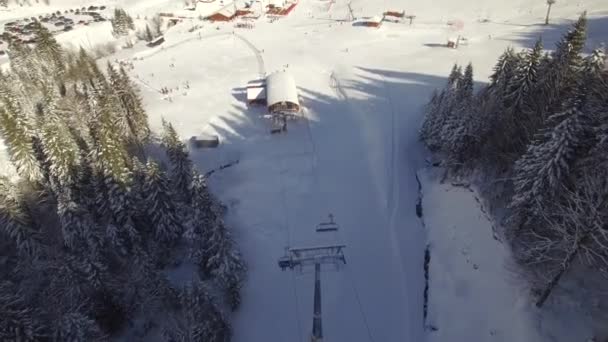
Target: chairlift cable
<point x="358" y="298"/>
<point x="293" y="276"/>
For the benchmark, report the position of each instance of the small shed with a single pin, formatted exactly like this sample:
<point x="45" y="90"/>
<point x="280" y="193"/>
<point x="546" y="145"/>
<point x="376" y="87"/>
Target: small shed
<point x="205" y="141"/>
<point x="156" y="41"/>
<point x="374" y="21"/>
<point x="395" y="14"/>
<point x="256" y="92"/>
<point x="453" y="43"/>
<point x="281" y="93"/>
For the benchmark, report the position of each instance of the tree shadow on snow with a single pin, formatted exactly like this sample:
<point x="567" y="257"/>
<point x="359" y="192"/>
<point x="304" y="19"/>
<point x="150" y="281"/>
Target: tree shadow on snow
<point x="597" y="33"/>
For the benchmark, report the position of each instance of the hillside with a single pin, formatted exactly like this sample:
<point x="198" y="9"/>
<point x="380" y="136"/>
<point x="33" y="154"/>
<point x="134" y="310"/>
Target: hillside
<point x="354" y="152"/>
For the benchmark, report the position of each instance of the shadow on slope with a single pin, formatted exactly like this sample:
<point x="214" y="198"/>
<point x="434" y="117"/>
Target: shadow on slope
<point x="597" y="33"/>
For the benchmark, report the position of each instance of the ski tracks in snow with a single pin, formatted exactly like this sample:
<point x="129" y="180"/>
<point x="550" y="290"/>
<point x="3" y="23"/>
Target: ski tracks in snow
<point x="393" y="187"/>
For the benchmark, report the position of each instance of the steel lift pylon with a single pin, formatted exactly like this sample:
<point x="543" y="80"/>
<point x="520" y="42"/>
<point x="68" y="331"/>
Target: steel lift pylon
<point x="308" y="256"/>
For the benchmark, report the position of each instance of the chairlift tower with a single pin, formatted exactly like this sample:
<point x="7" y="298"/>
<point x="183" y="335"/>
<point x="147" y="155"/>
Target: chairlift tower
<point x="308" y="256"/>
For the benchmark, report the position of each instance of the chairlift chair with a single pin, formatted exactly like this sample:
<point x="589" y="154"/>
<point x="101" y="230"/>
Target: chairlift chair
<point x="330" y="226"/>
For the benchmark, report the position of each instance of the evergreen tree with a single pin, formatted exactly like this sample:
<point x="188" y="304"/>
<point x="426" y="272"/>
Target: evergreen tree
<point x="122" y="22"/>
<point x="199" y="318"/>
<point x="444" y="107"/>
<point x="15" y="221"/>
<point x="524" y="78"/>
<point x="160" y="206"/>
<point x="80" y="232"/>
<point x="503" y="73"/>
<point x="17" y="132"/>
<point x="148" y="34"/>
<point x="134" y="120"/>
<point x="47" y="49"/>
<point x="181" y="165"/>
<point x="135" y="110"/>
<point x="215" y="251"/>
<point x="560" y="79"/>
<point x="462" y="127"/>
<point x="544" y="168"/>
<point x="76" y="327"/>
<point x="430" y="115"/>
<point x="60" y="149"/>
<point x="20" y="322"/>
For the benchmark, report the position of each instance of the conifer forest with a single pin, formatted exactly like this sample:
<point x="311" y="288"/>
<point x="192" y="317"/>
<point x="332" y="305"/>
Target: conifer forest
<point x="538" y="134"/>
<point x="97" y="215"/>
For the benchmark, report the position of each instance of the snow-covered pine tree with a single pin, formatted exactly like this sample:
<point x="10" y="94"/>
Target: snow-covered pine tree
<point x="15" y="221"/>
<point x="23" y="63"/>
<point x="148" y="35"/>
<point x="544" y="169"/>
<point x="460" y="130"/>
<point x="457" y="93"/>
<point x="434" y="139"/>
<point x="59" y="147"/>
<point x="214" y="249"/>
<point x="503" y="72"/>
<point x="181" y="165"/>
<point x="77" y="327"/>
<point x="594" y="76"/>
<point x="561" y="77"/>
<point x="122" y="22"/>
<point x="74" y="280"/>
<point x="80" y="232"/>
<point x="225" y="262"/>
<point x="430" y="112"/>
<point x="198" y="318"/>
<point x="48" y="50"/>
<point x="135" y="110"/>
<point x="20" y="321"/>
<point x="129" y="21"/>
<point x="17" y="132"/>
<point x="160" y="206"/>
<point x="524" y="79"/>
<point x="114" y="101"/>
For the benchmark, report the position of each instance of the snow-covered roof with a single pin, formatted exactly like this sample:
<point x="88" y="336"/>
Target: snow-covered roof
<point x="276" y="3"/>
<point x="375" y="19"/>
<point x="281" y="87"/>
<point x="256" y="93"/>
<point x="227" y="11"/>
<point x="256" y="83"/>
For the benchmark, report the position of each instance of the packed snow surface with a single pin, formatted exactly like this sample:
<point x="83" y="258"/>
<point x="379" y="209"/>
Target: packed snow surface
<point x="354" y="153"/>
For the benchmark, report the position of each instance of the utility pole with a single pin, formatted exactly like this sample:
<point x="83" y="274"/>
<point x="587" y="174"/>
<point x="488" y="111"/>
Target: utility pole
<point x="302" y="257"/>
<point x="549" y="4"/>
<point x="350" y="12"/>
<point x="317" y="326"/>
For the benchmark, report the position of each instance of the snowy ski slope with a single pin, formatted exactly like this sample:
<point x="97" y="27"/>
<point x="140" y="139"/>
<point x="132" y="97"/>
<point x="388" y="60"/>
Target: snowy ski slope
<point x="354" y="153"/>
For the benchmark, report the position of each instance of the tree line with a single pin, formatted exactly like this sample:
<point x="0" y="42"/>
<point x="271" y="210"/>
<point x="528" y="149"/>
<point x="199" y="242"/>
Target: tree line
<point x="539" y="133"/>
<point x="92" y="222"/>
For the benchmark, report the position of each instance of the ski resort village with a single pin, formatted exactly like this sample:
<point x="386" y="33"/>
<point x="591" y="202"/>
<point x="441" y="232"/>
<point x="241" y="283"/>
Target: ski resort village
<point x="304" y="170"/>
